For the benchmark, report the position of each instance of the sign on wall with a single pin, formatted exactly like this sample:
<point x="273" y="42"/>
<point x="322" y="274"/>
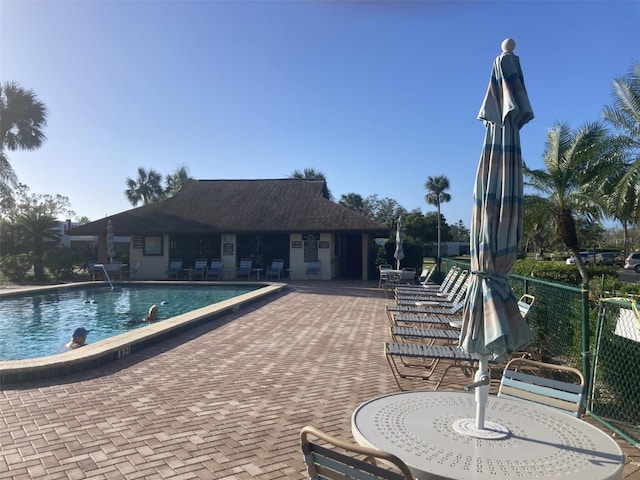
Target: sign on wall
<point x="227" y="248"/>
<point x="311" y="247"/>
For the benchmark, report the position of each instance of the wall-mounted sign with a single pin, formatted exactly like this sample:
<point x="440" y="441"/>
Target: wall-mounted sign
<point x="311" y="247"/>
<point x="323" y="244"/>
<point x="227" y="248"/>
<point x="137" y="242"/>
<point x="296" y="244"/>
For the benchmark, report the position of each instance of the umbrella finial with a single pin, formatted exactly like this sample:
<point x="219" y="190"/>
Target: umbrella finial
<point x="508" y="44"/>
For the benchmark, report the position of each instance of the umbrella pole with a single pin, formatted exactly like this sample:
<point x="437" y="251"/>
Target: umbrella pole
<point x="483" y="379"/>
<point x="477" y="427"/>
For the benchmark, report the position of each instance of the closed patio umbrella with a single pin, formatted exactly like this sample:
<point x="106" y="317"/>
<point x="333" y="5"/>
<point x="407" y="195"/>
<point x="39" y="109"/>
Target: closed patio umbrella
<point x="111" y="251"/>
<point x="492" y="324"/>
<point x="399" y="253"/>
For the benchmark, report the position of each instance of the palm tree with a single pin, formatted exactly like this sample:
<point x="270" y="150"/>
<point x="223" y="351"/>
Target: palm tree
<point x="313" y="174"/>
<point x="35" y="225"/>
<point x="176" y="180"/>
<point x="22" y="118"/>
<point x="146" y="188"/>
<point x="436" y="195"/>
<point x="570" y="185"/>
<point x="624" y="115"/>
<point x="353" y="201"/>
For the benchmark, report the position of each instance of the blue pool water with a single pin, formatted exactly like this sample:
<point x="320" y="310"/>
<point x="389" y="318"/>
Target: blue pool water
<point x="35" y="325"/>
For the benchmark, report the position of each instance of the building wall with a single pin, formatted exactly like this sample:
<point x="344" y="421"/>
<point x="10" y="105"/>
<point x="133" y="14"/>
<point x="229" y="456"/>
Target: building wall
<point x="331" y="258"/>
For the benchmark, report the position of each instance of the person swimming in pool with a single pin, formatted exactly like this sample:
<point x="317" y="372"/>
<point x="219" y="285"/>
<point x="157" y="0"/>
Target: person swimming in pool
<point x="151" y="317"/>
<point x="78" y="338"/>
<point x="153" y="314"/>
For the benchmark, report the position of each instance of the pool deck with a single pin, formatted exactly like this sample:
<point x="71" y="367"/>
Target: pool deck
<point x="225" y="400"/>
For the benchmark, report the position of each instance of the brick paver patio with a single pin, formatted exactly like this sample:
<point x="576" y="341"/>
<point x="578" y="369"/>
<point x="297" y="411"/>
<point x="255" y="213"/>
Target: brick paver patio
<point x="223" y="402"/>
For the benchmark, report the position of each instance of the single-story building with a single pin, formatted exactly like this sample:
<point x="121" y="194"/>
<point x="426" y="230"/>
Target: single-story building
<point x="289" y="219"/>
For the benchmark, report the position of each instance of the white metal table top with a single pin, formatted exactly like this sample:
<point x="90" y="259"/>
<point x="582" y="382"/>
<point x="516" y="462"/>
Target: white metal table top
<point x="417" y="427"/>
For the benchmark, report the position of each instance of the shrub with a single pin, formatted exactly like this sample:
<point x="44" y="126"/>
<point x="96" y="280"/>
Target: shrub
<point x="14" y="268"/>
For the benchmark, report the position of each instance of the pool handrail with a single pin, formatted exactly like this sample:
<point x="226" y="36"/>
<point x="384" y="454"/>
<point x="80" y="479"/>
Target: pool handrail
<point x="101" y="265"/>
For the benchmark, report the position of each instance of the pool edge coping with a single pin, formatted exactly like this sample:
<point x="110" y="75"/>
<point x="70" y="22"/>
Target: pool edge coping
<point x="15" y="372"/>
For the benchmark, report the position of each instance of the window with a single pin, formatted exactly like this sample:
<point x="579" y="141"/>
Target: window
<point x="152" y="245"/>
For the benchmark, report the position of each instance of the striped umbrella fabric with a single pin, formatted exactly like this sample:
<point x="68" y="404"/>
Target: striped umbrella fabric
<point x="492" y="323"/>
<point x="399" y="253"/>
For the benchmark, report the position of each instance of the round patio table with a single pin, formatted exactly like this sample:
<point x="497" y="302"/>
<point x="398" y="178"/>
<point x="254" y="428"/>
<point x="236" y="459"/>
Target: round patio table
<point x="541" y="443"/>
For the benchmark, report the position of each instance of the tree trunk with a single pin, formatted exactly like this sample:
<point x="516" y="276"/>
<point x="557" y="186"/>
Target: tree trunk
<point x="38" y="266"/>
<point x="581" y="268"/>
<point x="567" y="230"/>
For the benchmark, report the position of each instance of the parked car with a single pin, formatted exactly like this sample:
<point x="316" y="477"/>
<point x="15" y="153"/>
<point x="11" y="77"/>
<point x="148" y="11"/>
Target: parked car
<point x="606" y="258"/>
<point x="587" y="258"/>
<point x="633" y="262"/>
<point x="619" y="259"/>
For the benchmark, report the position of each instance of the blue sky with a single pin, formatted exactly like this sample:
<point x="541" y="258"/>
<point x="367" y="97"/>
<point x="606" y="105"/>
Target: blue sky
<point x="376" y="95"/>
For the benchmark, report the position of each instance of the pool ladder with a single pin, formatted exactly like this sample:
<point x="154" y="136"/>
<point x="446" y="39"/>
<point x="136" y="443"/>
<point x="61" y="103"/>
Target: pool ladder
<point x="100" y="265"/>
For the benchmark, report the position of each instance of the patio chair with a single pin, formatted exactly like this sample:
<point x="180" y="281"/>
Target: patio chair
<point x="407" y="277"/>
<point x="457" y="292"/>
<point x="215" y="269"/>
<point x="313" y="268"/>
<point x="453" y="310"/>
<point x="385" y="271"/>
<point x="533" y="381"/>
<point x="244" y="270"/>
<point x="446" y="284"/>
<point x="423" y="320"/>
<point x="441" y="290"/>
<point x="419" y="334"/>
<point x="525" y="303"/>
<point x="428" y="357"/>
<point x="175" y="269"/>
<point x="341" y="461"/>
<point x="133" y="271"/>
<point x="275" y="270"/>
<point x="199" y="269"/>
<point x="425" y="276"/>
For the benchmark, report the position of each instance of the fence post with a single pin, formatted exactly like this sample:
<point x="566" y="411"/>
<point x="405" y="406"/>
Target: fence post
<point x="586" y="364"/>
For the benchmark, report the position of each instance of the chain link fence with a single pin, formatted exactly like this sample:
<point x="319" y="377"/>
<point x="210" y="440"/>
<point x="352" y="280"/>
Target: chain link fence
<point x="614" y="397"/>
<point x="600" y="338"/>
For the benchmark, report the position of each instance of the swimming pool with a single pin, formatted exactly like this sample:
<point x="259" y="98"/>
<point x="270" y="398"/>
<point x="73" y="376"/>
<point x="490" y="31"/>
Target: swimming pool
<point x="39" y="324"/>
<point x="99" y="352"/>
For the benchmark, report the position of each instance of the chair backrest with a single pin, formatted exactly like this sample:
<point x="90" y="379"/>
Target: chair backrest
<point x="407" y="275"/>
<point x="462" y="291"/>
<point x="201" y="263"/>
<point x="340" y="463"/>
<point x="216" y="265"/>
<point x="532" y="381"/>
<point x="458" y="285"/>
<point x="427" y="273"/>
<point x="525" y="303"/>
<point x="449" y="278"/>
<point x="277" y="265"/>
<point x="385" y="266"/>
<point x="245" y="264"/>
<point x="313" y="267"/>
<point x="175" y="264"/>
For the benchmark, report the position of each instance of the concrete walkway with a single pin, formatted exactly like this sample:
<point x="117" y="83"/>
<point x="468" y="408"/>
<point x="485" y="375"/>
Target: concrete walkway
<point x="223" y="402"/>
